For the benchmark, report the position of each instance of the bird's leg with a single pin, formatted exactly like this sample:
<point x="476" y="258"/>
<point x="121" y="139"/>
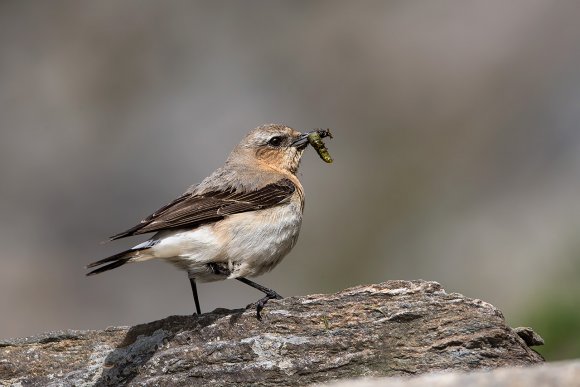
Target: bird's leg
<point x="195" y="297"/>
<point x="270" y="294"/>
<point x="217" y="269"/>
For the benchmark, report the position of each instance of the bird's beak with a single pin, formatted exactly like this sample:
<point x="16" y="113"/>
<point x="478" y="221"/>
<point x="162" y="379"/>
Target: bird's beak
<point x="301" y="141"/>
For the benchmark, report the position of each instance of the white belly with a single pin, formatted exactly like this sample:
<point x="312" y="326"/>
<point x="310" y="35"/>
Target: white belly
<point x="249" y="243"/>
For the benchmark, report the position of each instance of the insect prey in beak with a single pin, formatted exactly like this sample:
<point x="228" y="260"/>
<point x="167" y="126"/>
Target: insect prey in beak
<point x="315" y="139"/>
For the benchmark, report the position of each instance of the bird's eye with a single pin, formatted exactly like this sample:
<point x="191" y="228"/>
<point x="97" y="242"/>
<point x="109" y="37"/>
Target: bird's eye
<point x="275" y="141"/>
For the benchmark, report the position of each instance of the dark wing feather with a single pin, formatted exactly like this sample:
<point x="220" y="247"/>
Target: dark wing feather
<point x="193" y="210"/>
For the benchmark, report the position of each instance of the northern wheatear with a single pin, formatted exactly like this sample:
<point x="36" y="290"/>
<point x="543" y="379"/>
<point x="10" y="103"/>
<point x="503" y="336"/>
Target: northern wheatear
<point x="239" y="222"/>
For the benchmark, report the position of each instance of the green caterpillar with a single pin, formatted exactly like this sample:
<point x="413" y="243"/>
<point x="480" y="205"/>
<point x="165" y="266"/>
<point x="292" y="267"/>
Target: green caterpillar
<point x="315" y="139"/>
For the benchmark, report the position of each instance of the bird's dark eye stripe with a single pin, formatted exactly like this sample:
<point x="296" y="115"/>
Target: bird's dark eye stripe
<point x="275" y="141"/>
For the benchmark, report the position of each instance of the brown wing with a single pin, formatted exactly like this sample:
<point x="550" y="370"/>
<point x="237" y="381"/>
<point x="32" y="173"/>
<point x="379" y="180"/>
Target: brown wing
<point x="190" y="211"/>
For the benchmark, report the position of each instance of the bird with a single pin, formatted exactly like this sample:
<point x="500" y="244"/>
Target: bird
<point x="239" y="222"/>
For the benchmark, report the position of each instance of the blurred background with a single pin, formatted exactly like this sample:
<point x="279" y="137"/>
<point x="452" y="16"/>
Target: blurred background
<point x="456" y="149"/>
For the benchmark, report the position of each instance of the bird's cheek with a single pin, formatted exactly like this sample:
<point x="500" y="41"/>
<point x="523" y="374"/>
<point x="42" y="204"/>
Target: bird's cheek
<point x="269" y="156"/>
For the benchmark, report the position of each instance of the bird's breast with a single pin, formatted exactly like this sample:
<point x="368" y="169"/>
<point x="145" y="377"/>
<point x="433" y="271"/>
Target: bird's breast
<point x="255" y="242"/>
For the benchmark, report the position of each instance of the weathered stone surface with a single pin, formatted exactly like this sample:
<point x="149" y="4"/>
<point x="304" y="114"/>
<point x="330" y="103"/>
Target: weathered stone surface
<point x="389" y="329"/>
<point x="531" y="338"/>
<point x="561" y="374"/>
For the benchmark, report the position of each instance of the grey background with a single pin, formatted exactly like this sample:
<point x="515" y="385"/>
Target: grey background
<point x="456" y="147"/>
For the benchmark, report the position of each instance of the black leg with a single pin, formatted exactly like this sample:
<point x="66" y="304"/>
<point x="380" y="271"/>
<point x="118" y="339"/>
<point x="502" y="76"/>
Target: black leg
<point x="270" y="294"/>
<point x="195" y="297"/>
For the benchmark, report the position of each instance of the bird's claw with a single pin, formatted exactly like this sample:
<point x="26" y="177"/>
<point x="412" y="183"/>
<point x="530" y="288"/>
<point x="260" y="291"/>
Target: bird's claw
<point x="261" y="303"/>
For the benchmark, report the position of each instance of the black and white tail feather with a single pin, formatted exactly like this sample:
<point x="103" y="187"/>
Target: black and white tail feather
<point x="116" y="260"/>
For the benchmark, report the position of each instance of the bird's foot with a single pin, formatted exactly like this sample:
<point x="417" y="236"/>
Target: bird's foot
<point x="261" y="303"/>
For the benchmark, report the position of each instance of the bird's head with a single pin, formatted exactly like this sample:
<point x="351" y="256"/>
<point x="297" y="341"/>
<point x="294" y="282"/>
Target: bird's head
<point x="272" y="146"/>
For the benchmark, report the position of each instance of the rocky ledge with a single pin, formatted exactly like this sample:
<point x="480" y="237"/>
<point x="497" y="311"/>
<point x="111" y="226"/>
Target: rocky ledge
<point x="396" y="328"/>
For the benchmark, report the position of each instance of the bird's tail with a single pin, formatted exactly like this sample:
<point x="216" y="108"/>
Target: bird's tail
<point x="116" y="260"/>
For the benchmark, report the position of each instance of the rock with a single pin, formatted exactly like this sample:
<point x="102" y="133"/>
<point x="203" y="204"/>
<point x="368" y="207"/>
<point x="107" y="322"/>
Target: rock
<point x="390" y="329"/>
<point x="531" y="338"/>
<point x="546" y="375"/>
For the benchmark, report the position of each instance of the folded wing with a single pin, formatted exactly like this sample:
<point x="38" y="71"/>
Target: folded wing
<point x="190" y="211"/>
